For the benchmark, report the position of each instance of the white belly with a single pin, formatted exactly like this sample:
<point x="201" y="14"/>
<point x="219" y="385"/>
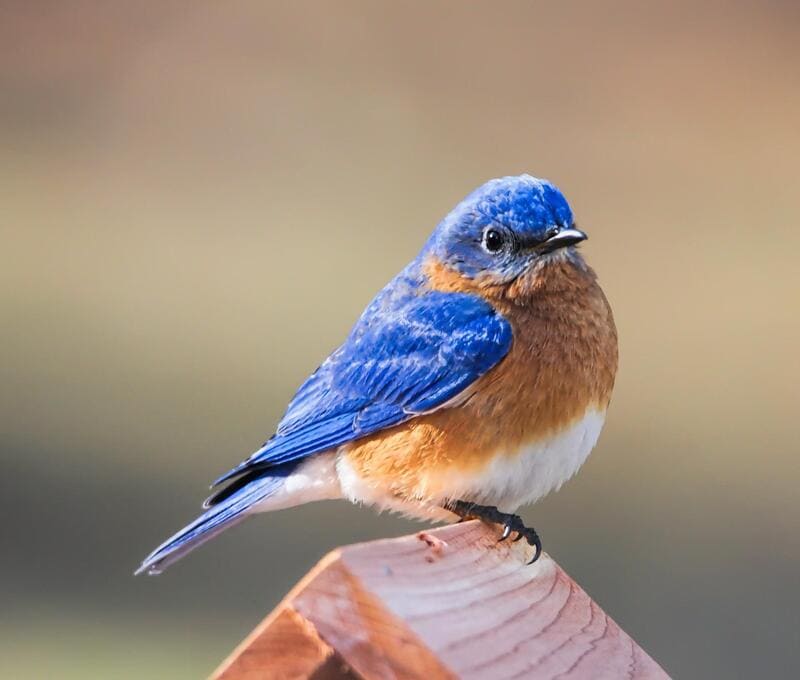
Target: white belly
<point x="527" y="475"/>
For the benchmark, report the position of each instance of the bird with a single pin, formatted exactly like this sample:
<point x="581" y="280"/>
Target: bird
<point x="475" y="382"/>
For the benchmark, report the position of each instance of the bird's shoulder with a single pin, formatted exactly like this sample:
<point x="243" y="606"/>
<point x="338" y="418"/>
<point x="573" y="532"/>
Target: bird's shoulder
<point x="410" y="329"/>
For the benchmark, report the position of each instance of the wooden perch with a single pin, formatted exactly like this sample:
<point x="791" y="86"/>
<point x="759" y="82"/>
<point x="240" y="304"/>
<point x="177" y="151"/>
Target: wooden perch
<point x="446" y="603"/>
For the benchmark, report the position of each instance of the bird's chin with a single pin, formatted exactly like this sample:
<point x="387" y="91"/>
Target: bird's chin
<point x="542" y="271"/>
<point x="544" y="261"/>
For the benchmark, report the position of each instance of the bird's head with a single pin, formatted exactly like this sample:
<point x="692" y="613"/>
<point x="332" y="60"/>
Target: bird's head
<point x="504" y="228"/>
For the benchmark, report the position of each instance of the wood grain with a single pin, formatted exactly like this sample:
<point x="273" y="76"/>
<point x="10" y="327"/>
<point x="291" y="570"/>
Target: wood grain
<point x="447" y="603"/>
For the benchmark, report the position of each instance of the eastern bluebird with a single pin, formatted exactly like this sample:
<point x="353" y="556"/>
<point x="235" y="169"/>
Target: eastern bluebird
<point x="475" y="382"/>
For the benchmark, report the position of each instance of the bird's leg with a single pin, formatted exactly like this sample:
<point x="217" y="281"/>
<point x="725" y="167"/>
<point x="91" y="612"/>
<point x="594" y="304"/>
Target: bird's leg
<point x="510" y="523"/>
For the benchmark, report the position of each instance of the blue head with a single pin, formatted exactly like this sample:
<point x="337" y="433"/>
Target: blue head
<point x="504" y="227"/>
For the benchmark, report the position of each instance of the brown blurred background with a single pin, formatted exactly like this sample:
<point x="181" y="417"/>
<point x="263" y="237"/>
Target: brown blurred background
<point x="197" y="200"/>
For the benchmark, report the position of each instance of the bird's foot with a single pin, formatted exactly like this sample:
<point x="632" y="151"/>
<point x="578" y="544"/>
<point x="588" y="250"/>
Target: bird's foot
<point x="510" y="523"/>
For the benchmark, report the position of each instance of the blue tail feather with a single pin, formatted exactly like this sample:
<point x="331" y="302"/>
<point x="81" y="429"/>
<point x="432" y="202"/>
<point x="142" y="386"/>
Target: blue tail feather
<point x="223" y="515"/>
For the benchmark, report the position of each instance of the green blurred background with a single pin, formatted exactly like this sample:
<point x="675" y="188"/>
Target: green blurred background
<point x="197" y="200"/>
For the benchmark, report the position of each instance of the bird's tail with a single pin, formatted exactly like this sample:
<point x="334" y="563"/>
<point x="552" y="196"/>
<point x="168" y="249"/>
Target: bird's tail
<point x="225" y="508"/>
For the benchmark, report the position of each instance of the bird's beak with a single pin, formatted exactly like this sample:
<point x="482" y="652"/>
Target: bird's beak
<point x="564" y="238"/>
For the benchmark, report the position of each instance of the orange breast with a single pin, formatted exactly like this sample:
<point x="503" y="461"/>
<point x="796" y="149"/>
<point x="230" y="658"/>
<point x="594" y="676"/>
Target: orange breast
<point x="562" y="362"/>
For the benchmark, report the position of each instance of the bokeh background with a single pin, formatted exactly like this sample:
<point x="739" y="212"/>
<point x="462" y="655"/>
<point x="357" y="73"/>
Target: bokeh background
<point x="198" y="198"/>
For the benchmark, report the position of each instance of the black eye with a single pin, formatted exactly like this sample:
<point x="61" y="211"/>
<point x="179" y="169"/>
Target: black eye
<point x="493" y="240"/>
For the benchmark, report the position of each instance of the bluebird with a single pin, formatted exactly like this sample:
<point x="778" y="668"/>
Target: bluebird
<point x="475" y="382"/>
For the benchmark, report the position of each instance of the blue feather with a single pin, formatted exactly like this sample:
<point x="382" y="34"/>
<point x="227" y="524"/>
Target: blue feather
<point x="225" y="514"/>
<point x="412" y="351"/>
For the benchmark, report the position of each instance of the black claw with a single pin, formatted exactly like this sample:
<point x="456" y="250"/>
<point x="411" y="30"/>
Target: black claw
<point x="536" y="542"/>
<point x="511" y="523"/>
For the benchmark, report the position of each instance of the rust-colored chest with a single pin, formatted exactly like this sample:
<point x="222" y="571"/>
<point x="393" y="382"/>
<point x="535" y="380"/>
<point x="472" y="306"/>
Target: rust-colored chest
<point x="563" y="360"/>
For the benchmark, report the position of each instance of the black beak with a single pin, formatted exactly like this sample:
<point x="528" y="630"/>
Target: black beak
<point x="564" y="238"/>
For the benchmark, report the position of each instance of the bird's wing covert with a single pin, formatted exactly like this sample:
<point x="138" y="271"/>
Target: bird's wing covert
<point x="398" y="362"/>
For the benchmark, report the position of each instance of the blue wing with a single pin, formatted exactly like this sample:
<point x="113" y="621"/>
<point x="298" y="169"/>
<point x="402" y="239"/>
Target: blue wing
<point x="409" y="354"/>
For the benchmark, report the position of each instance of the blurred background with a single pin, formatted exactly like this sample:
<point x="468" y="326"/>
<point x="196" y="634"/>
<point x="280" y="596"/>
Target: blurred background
<point x="199" y="198"/>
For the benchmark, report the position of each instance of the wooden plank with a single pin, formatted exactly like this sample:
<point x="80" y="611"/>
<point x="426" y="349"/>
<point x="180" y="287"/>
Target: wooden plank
<point x="288" y="642"/>
<point x="451" y="602"/>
